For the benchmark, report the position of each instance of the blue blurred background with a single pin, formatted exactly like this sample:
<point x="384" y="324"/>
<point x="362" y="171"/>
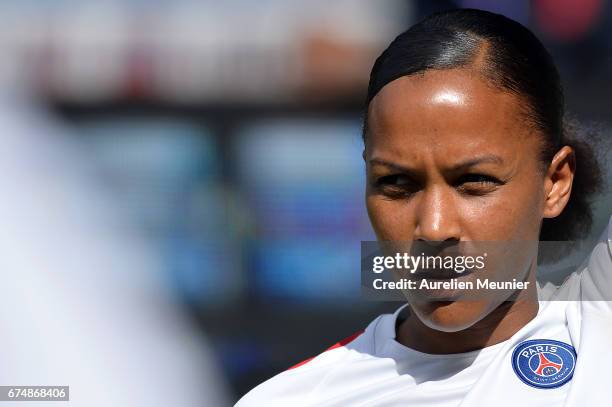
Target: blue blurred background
<point x="227" y="135"/>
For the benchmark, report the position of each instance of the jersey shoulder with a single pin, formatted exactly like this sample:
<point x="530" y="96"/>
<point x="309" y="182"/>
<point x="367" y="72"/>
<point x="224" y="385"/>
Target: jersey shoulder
<point x="596" y="277"/>
<point x="590" y="285"/>
<point x="296" y="384"/>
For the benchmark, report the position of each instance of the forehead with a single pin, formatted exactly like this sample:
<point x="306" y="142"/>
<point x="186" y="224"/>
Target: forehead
<point x="452" y="110"/>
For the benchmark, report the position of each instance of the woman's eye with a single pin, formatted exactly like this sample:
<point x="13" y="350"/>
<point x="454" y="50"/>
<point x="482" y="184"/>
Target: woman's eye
<point x="398" y="180"/>
<point x="477" y="183"/>
<point x="396" y="186"/>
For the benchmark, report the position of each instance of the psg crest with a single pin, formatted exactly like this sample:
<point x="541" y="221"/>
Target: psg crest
<point x="544" y="363"/>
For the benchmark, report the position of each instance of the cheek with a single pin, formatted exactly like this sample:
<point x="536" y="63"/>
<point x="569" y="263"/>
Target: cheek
<point x="390" y="219"/>
<point x="514" y="212"/>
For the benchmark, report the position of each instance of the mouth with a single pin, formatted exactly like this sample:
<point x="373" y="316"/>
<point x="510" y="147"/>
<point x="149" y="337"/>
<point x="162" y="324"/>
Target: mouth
<point x="441" y="274"/>
<point x="443" y="271"/>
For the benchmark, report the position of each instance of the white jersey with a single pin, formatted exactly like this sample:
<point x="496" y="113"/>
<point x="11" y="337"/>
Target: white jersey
<point x="560" y="358"/>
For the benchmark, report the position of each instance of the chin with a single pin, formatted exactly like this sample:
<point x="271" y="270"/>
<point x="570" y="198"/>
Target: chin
<point x="451" y="316"/>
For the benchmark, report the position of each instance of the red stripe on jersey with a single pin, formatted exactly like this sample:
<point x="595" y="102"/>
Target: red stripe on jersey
<point x="343" y="342"/>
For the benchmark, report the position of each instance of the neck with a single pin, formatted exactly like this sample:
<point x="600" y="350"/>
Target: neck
<point x="497" y="326"/>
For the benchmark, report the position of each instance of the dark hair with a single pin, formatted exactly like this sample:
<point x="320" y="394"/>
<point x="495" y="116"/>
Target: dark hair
<point x="511" y="59"/>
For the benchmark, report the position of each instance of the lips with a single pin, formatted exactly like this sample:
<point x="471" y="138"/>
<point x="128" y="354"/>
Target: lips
<point x="440" y="274"/>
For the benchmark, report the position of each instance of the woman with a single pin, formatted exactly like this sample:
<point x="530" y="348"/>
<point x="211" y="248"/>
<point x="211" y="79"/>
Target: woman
<point x="465" y="141"/>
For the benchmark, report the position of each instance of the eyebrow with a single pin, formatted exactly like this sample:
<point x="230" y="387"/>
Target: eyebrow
<point x="484" y="159"/>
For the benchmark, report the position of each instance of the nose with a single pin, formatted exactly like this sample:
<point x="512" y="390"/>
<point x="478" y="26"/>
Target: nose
<point x="437" y="217"/>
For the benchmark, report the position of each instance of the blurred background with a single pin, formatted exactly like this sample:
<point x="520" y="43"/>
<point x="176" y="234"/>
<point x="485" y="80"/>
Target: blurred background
<point x="186" y="179"/>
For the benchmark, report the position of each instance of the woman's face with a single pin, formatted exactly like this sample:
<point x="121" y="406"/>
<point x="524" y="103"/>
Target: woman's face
<point x="450" y="158"/>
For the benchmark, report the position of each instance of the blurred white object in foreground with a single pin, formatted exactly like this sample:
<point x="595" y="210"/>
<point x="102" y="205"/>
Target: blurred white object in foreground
<point x="82" y="301"/>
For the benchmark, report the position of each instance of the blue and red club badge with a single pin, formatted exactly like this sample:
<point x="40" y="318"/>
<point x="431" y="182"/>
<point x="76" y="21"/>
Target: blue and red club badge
<point x="544" y="363"/>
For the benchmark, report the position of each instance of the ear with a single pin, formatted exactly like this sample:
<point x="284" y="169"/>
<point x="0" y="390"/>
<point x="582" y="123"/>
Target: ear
<point x="558" y="182"/>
